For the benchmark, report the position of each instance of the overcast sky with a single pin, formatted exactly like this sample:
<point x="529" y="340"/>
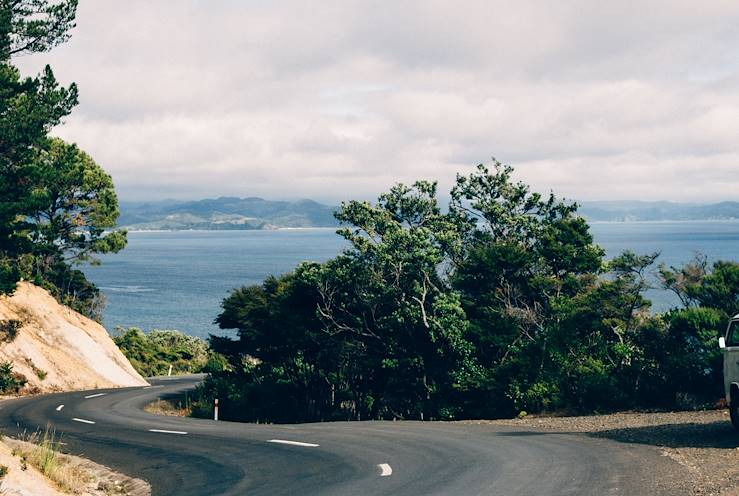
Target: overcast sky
<point x="338" y="100"/>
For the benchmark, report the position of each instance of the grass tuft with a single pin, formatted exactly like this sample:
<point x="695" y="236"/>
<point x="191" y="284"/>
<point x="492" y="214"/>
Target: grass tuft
<point x="171" y="407"/>
<point x="45" y="456"/>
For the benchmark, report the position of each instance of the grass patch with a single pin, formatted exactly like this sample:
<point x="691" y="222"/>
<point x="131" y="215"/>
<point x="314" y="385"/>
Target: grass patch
<point x="71" y="474"/>
<point x="171" y="407"/>
<point x="40" y="373"/>
<point x="42" y="452"/>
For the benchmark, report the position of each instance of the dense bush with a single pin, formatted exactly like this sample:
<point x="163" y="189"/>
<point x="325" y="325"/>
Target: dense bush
<point x="499" y="305"/>
<point x="9" y="329"/>
<point x="10" y="382"/>
<point x="152" y="353"/>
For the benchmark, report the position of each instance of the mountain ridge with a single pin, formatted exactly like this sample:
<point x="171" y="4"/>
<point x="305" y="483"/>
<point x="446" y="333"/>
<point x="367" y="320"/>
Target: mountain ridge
<point x="226" y="213"/>
<point x="645" y="211"/>
<point x="254" y="213"/>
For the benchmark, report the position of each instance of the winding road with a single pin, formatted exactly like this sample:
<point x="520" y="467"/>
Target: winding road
<point x="185" y="456"/>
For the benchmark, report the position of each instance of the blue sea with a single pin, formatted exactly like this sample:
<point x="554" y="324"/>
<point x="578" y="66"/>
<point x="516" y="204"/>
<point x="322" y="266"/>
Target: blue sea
<point x="177" y="280"/>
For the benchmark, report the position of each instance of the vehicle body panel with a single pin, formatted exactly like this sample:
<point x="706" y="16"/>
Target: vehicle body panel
<point x="731" y="360"/>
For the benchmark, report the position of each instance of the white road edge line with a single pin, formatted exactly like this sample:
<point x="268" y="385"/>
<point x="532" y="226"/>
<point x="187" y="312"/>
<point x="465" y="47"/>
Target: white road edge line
<point x="82" y="420"/>
<point x="161" y="431"/>
<point x="386" y="470"/>
<point x="293" y="443"/>
<point x="94" y="395"/>
<point x="59" y="408"/>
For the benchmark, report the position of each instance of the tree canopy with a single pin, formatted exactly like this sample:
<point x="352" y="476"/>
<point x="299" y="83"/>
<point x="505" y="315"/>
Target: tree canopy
<point x="28" y="26"/>
<point x="500" y="304"/>
<point x="58" y="206"/>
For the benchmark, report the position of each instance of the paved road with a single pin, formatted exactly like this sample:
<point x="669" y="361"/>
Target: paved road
<point x="183" y="456"/>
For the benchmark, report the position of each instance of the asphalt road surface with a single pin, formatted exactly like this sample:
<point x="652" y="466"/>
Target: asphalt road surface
<point x="185" y="456"/>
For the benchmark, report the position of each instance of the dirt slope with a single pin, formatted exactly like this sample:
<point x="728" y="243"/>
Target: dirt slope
<point x="70" y="351"/>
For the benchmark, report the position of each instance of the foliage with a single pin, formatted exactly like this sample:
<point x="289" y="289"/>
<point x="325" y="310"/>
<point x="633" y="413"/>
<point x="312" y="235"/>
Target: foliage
<point x="689" y="359"/>
<point x="40" y="373"/>
<point x="45" y="455"/>
<point x="9" y="329"/>
<point x="43" y="451"/>
<point x="375" y="333"/>
<point x="10" y="382"/>
<point x="74" y="206"/>
<point x="75" y="203"/>
<point x="58" y="205"/>
<point x="28" y="109"/>
<point x="524" y="261"/>
<point x="501" y="305"/>
<point x="152" y="353"/>
<point x="697" y="284"/>
<point x="34" y="25"/>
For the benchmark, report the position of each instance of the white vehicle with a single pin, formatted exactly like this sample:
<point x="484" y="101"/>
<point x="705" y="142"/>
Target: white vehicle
<point x="730" y="346"/>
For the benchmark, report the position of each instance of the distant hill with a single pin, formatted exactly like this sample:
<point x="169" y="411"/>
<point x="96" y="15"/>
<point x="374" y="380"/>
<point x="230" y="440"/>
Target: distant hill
<point x="635" y="211"/>
<point x="229" y="213"/>
<point x="225" y="213"/>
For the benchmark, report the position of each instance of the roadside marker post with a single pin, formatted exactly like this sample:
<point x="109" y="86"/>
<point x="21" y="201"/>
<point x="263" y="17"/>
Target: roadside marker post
<point x="215" y="411"/>
<point x="169" y="374"/>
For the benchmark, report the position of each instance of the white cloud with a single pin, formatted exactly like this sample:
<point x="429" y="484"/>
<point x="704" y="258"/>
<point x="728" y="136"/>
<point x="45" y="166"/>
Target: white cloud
<point x="596" y="100"/>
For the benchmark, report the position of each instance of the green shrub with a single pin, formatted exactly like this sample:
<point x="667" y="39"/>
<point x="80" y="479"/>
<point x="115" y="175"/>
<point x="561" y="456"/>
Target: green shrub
<point x="9" y="329"/>
<point x="501" y="304"/>
<point x="152" y="353"/>
<point x="10" y="382"/>
<point x="687" y="359"/>
<point x="216" y="363"/>
<point x="40" y="373"/>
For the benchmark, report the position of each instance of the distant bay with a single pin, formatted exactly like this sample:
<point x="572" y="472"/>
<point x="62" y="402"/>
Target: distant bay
<point x="177" y="279"/>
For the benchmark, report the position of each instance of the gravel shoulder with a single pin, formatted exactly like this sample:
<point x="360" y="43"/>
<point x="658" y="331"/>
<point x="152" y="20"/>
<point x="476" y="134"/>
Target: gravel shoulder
<point x="703" y="442"/>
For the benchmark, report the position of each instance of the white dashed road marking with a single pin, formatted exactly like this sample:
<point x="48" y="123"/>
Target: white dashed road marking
<point x="386" y="470"/>
<point x="167" y="432"/>
<point x="59" y="408"/>
<point x="293" y="443"/>
<point x="82" y="420"/>
<point x="94" y="395"/>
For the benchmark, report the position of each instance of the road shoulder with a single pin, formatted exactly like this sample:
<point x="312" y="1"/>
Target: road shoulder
<point x="71" y="474"/>
<point x="703" y="443"/>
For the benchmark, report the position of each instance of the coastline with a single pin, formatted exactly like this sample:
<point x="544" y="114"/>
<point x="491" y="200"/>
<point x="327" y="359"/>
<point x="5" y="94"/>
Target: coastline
<point x="673" y="221"/>
<point x="229" y="230"/>
<point x="329" y="228"/>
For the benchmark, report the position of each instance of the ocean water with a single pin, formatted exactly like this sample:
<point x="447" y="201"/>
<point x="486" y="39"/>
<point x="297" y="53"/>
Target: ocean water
<point x="177" y="280"/>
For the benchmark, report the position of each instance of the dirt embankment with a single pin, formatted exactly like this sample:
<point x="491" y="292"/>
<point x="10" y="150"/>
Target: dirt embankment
<point x="704" y="442"/>
<point x="32" y="470"/>
<point x="57" y="349"/>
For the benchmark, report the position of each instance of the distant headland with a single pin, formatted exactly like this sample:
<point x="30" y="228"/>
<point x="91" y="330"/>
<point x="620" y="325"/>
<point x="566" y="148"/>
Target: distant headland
<point x="231" y="213"/>
<point x="225" y="213"/>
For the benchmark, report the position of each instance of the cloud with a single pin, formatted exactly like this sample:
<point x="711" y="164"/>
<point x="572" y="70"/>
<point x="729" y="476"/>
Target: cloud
<point x="341" y="99"/>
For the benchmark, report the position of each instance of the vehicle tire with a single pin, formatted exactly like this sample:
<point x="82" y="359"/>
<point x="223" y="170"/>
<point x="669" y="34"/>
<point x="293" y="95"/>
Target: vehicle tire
<point x="734" y="414"/>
